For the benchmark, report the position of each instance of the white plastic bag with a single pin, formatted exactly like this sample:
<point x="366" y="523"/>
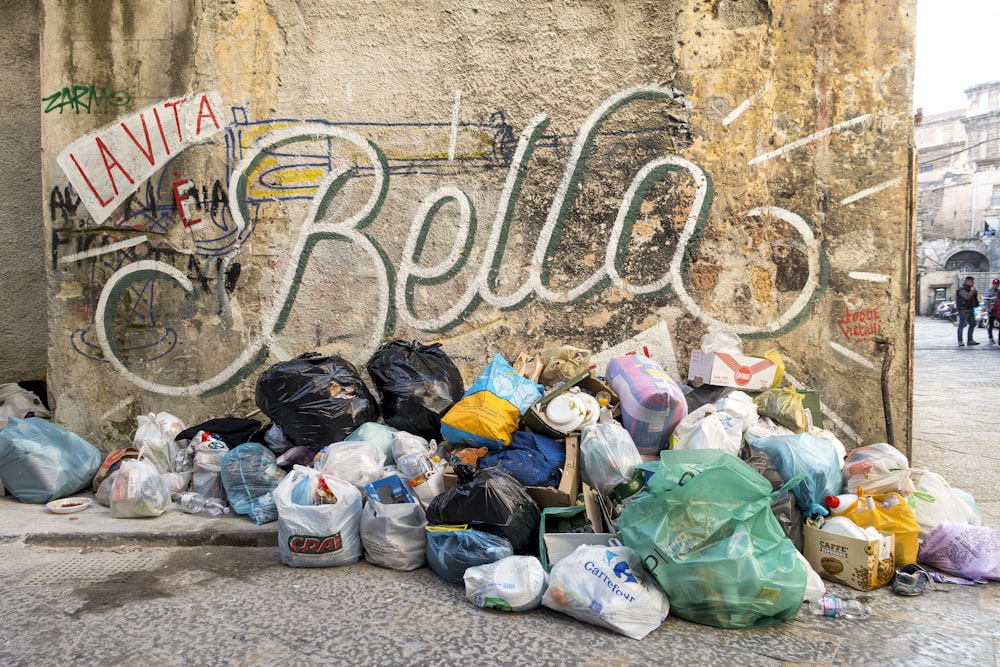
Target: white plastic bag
<point x="608" y="456"/>
<point x="741" y="406"/>
<point x="208" y="454"/>
<point x="138" y="490"/>
<point x="765" y="428"/>
<point x="15" y="401"/>
<point x="358" y="462"/>
<point x="934" y="502"/>
<point x="404" y="443"/>
<point x="607" y="586"/>
<point x="515" y="583"/>
<point x="394" y="534"/>
<point x="705" y="428"/>
<point x="317" y="535"/>
<point x="154" y="439"/>
<point x="879" y="468"/>
<point x="720" y="339"/>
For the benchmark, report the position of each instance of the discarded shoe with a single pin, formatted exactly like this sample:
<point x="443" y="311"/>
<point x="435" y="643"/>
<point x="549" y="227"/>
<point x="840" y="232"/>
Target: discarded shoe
<point x="910" y="580"/>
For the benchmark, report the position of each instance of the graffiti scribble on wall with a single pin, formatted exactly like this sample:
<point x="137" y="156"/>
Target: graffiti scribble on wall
<point x="86" y="99"/>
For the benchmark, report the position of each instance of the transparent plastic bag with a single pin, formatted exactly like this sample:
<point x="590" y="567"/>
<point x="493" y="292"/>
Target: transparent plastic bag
<point x="705" y="530"/>
<point x="608" y="456"/>
<point x="249" y="474"/>
<point x="935" y="502"/>
<point x="879" y="468"/>
<point x="138" y="490"/>
<point x="154" y="439"/>
<point x="806" y="454"/>
<point x="784" y="405"/>
<point x="41" y="461"/>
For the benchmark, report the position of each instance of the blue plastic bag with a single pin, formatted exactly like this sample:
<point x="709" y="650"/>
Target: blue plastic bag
<point x="803" y="453"/>
<point x="40" y="461"/>
<point x="451" y="550"/>
<point x="249" y="474"/>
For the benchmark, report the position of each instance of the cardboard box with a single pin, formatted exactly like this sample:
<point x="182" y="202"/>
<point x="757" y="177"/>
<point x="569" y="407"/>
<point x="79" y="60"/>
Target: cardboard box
<point x="731" y="370"/>
<point x="584" y="522"/>
<point x="858" y="563"/>
<point x="547" y="496"/>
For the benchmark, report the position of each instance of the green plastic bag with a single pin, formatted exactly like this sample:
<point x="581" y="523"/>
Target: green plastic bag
<point x="705" y="531"/>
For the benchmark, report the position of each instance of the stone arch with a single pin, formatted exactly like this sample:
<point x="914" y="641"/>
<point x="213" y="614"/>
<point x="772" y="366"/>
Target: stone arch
<point x="967" y="261"/>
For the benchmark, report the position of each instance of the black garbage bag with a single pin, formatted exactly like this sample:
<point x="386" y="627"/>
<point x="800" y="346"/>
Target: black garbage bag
<point x="315" y="400"/>
<point x="231" y="430"/>
<point x="418" y="383"/>
<point x="489" y="500"/>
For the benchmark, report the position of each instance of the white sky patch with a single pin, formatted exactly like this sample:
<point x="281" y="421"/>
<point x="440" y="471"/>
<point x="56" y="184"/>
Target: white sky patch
<point x="870" y="191"/>
<point x="103" y="250"/>
<point x="808" y="139"/>
<point x="870" y="277"/>
<point x="746" y="104"/>
<point x="454" y="125"/>
<point x="853" y="356"/>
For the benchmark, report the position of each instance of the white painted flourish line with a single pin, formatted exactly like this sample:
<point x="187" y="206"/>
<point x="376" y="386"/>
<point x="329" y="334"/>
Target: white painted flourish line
<point x="808" y="139"/>
<point x="870" y="191"/>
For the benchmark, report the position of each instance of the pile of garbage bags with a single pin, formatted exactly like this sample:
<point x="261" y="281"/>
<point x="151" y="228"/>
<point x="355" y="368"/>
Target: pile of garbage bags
<point x="616" y="496"/>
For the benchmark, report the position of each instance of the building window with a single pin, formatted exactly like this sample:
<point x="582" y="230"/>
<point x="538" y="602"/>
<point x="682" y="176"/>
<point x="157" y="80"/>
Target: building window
<point x="995" y="201"/>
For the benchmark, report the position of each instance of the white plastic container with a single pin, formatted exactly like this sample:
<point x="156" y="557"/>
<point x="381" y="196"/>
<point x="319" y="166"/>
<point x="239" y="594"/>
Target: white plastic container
<point x="844" y="526"/>
<point x="840" y="504"/>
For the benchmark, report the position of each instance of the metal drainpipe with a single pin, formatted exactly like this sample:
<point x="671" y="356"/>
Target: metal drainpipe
<point x="884" y="345"/>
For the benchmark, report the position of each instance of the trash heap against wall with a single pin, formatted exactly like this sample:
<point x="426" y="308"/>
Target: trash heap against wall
<point x="614" y="494"/>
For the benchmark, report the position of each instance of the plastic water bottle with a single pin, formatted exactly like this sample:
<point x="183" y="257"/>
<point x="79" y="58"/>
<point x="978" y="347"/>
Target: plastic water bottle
<point x="829" y="605"/>
<point x="196" y="503"/>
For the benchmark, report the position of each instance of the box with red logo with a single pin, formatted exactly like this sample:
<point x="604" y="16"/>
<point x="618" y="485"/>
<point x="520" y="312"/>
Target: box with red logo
<point x="730" y="370"/>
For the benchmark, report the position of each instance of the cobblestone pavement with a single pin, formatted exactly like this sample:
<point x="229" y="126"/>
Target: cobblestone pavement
<point x="121" y="599"/>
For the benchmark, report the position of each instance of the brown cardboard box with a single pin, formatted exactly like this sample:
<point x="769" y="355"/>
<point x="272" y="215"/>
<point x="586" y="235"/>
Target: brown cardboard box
<point x="534" y="418"/>
<point x="546" y="496"/>
<point x="553" y="545"/>
<point x="858" y="563"/>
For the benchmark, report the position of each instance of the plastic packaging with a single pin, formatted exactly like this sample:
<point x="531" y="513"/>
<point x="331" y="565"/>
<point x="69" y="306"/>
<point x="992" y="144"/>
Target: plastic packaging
<point x="840" y="504"/>
<point x="418" y="383"/>
<point x="451" y="550"/>
<point x="317" y="535"/>
<point x="966" y="551"/>
<point x="785" y="406"/>
<point x="608" y="457"/>
<point x="651" y="403"/>
<point x="489" y="500"/>
<point x="843" y="526"/>
<point x="138" y="491"/>
<point x="879" y="468"/>
<point x="705" y="530"/>
<point x="829" y="605"/>
<point x="249" y="474"/>
<point x="195" y="503"/>
<point x="316" y="400"/>
<point x="607" y="586"/>
<point x="488" y="413"/>
<point x="40" y="461"/>
<point x="356" y="461"/>
<point x="515" y="583"/>
<point x="816" y="457"/>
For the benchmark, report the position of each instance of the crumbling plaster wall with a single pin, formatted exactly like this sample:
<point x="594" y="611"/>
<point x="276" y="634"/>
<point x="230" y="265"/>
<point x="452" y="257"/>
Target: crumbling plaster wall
<point x="23" y="320"/>
<point x="261" y="178"/>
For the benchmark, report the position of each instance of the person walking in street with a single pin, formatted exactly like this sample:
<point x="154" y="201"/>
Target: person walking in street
<point x="966" y="301"/>
<point x="989" y="299"/>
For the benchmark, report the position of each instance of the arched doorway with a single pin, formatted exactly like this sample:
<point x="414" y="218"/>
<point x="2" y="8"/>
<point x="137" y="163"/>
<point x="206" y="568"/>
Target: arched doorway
<point x="967" y="261"/>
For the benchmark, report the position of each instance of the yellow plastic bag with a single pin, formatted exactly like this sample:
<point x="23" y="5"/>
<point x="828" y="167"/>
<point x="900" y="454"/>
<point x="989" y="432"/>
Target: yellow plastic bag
<point x="784" y="405"/>
<point x="889" y="513"/>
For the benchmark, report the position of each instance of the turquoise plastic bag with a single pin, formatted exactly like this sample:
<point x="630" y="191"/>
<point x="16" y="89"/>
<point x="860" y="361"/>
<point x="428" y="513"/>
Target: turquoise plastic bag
<point x="40" y="461"/>
<point x="705" y="531"/>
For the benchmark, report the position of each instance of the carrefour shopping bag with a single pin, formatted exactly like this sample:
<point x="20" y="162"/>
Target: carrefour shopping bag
<point x="704" y="529"/>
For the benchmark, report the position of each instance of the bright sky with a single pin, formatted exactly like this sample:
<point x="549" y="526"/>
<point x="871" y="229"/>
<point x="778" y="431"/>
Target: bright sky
<point x="957" y="47"/>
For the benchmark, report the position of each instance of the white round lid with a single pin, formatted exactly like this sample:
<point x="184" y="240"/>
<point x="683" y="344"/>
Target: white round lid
<point x="565" y="412"/>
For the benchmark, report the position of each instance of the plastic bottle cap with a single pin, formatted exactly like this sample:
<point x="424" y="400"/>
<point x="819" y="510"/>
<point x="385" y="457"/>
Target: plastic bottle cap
<point x="832" y="502"/>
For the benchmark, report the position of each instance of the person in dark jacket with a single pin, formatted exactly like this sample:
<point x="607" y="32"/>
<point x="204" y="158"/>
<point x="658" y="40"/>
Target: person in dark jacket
<point x="966" y="302"/>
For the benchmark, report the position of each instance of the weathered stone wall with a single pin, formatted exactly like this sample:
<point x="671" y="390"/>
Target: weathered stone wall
<point x="23" y="319"/>
<point x="256" y="179"/>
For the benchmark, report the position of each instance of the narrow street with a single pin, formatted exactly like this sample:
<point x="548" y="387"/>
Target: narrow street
<point x="223" y="605"/>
